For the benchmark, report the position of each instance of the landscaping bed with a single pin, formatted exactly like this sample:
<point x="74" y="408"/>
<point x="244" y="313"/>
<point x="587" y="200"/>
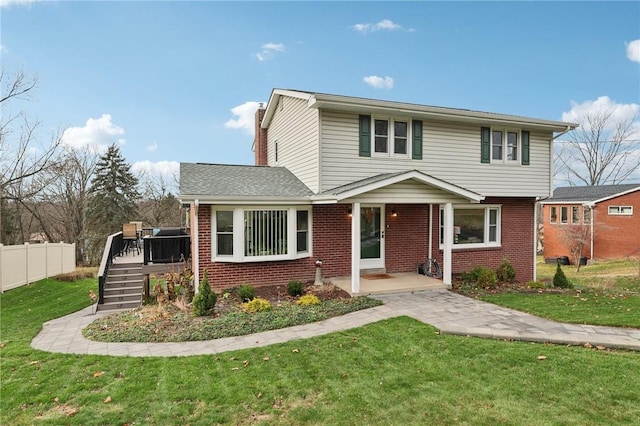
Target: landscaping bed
<point x="173" y="322"/>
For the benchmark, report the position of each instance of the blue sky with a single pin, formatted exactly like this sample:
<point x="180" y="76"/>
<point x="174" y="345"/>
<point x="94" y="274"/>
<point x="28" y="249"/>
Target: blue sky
<point x="178" y="81"/>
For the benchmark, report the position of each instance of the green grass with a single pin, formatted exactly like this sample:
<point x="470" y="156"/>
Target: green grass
<point x="397" y="371"/>
<point x="607" y="293"/>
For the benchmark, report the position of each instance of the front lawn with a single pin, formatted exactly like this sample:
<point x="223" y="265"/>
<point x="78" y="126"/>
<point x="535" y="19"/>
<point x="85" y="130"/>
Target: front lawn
<point x="607" y="293"/>
<point x="398" y="371"/>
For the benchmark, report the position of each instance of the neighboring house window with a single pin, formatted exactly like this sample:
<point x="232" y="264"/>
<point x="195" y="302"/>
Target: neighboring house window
<point x="564" y="214"/>
<point x="575" y="214"/>
<point x="224" y="233"/>
<point x="621" y="210"/>
<point x="504" y="146"/>
<point x="474" y="226"/>
<point x="261" y="234"/>
<point x="390" y="137"/>
<point x="553" y="214"/>
<point x="586" y="214"/>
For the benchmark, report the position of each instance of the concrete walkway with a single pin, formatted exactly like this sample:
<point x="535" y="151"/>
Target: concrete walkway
<point x="451" y="313"/>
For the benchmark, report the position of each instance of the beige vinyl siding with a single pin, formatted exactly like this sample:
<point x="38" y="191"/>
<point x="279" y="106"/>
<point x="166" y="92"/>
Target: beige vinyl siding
<point x="408" y="192"/>
<point x="295" y="129"/>
<point x="451" y="152"/>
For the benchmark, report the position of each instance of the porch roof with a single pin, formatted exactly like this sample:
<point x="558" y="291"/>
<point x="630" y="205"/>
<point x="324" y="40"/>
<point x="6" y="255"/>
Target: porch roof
<point x="237" y="183"/>
<point x="382" y="180"/>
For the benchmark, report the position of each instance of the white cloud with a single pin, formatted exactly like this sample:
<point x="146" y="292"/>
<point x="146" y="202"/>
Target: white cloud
<point x="152" y="147"/>
<point x="619" y="113"/>
<point x="633" y="51"/>
<point x="384" y="25"/>
<point x="7" y="3"/>
<point x="379" y="82"/>
<point x="159" y="168"/>
<point x="98" y="132"/>
<point x="3" y="48"/>
<point x="268" y="50"/>
<point x="245" y="114"/>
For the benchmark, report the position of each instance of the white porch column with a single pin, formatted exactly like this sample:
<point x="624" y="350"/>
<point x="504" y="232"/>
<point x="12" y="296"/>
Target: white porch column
<point x="448" y="243"/>
<point x="355" y="248"/>
<point x="195" y="249"/>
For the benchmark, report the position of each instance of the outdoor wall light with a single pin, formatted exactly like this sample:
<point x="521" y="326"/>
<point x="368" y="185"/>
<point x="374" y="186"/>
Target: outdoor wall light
<point x="394" y="213"/>
<point x="349" y="214"/>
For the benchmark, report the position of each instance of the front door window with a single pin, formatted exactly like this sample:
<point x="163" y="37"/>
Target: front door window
<point x="371" y="237"/>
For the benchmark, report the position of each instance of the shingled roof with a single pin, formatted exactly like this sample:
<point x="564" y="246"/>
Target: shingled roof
<point x="211" y="181"/>
<point x="589" y="193"/>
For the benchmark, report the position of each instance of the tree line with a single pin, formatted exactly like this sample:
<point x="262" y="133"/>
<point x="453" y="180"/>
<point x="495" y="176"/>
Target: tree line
<point x="55" y="192"/>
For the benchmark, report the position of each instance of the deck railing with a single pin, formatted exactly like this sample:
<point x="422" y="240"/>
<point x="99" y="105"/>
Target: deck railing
<point x="112" y="248"/>
<point x="166" y="248"/>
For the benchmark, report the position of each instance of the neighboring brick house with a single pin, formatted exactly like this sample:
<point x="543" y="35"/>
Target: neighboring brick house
<point x="609" y="214"/>
<point x="366" y="184"/>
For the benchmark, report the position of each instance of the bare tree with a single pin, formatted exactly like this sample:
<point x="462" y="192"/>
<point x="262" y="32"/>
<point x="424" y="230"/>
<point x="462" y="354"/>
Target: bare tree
<point x="158" y="207"/>
<point x="60" y="207"/>
<point x="576" y="236"/>
<point x="21" y="156"/>
<point x="604" y="149"/>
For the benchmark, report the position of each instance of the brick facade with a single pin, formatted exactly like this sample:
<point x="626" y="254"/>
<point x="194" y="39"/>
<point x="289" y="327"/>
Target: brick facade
<point x="406" y="244"/>
<point x="615" y="236"/>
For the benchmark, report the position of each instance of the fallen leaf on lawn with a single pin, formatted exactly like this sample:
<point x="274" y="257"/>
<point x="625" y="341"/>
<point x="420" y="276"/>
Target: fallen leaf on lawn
<point x="542" y="357"/>
<point x="600" y="347"/>
<point x="235" y="368"/>
<point x="98" y="373"/>
<point x="259" y="395"/>
<point x="34" y="362"/>
<point x="107" y="400"/>
<point x="588" y="345"/>
<point x="295" y="350"/>
<point x="245" y="363"/>
<point x="121" y="375"/>
<point x="266" y="358"/>
<point x="3" y="345"/>
<point x="583" y="299"/>
<point x="55" y="399"/>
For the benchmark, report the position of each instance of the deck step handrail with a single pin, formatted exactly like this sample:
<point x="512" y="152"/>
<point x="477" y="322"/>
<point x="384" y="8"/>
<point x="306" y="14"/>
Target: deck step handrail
<point x="112" y="247"/>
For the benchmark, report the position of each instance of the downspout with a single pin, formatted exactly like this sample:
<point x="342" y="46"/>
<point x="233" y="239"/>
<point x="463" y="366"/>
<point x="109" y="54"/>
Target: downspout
<point x="535" y="239"/>
<point x="196" y="246"/>
<point x="551" y="150"/>
<point x="592" y="206"/>
<point x="430" y="255"/>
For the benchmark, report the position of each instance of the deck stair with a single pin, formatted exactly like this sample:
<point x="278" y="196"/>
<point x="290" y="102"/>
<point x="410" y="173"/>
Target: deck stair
<point x="123" y="287"/>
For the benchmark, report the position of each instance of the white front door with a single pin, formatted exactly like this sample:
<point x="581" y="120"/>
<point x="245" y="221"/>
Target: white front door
<point x="372" y="236"/>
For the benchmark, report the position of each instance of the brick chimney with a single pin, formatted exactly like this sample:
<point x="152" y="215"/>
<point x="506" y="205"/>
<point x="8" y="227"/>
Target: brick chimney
<point x="260" y="139"/>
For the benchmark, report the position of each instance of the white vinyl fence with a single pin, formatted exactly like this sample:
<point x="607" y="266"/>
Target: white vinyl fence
<point x="26" y="263"/>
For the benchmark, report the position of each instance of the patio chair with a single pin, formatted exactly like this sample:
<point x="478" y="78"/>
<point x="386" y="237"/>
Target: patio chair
<point x="130" y="237"/>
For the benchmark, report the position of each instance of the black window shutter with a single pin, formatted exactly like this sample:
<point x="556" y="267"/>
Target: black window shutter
<point x="416" y="148"/>
<point x="365" y="136"/>
<point x="485" y="145"/>
<point x="525" y="148"/>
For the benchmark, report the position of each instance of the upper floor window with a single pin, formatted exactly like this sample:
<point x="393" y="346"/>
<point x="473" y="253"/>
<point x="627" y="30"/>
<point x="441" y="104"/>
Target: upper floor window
<point x="390" y="137"/>
<point x="564" y="214"/>
<point x="586" y="214"/>
<point x="553" y="214"/>
<point x="260" y="234"/>
<point x="621" y="210"/>
<point x="499" y="145"/>
<point x="575" y="214"/>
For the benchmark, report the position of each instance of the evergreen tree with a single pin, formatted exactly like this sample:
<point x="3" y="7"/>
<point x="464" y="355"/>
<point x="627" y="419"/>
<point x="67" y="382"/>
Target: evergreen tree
<point x="113" y="199"/>
<point x="560" y="280"/>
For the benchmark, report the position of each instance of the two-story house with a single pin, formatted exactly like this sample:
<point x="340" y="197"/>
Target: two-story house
<point x="367" y="184"/>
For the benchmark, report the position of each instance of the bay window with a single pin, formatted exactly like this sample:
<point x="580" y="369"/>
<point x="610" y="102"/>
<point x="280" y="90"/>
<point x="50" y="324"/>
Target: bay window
<point x="245" y="234"/>
<point x="474" y="226"/>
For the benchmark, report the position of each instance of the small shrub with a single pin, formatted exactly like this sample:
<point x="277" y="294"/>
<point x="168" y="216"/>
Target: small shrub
<point x="506" y="272"/>
<point x="257" y="304"/>
<point x="487" y="278"/>
<point x="76" y="275"/>
<point x="560" y="280"/>
<point x="205" y="300"/>
<point x="308" y="299"/>
<point x="246" y="292"/>
<point x="536" y="284"/>
<point x="483" y="277"/>
<point x="295" y="288"/>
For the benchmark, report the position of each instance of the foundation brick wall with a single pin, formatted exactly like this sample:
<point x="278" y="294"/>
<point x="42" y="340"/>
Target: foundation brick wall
<point x="406" y="238"/>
